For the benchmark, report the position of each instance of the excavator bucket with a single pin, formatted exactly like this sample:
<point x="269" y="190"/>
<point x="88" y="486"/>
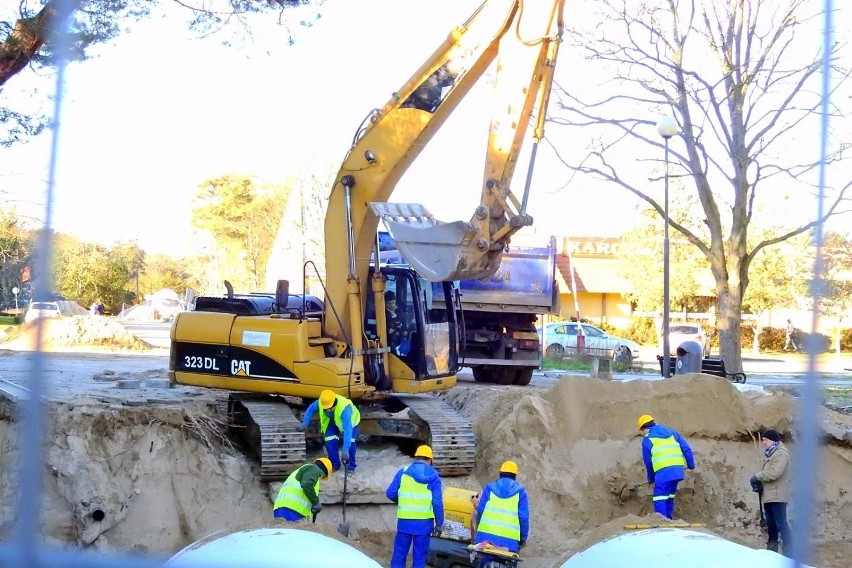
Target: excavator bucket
<point x="437" y="251"/>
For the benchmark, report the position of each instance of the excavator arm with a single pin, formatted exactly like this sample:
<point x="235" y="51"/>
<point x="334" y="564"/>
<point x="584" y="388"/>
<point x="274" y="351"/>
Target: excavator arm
<point x="523" y="36"/>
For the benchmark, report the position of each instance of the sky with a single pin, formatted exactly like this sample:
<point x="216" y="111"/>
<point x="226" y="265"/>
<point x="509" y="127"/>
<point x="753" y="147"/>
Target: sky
<point x="158" y="111"/>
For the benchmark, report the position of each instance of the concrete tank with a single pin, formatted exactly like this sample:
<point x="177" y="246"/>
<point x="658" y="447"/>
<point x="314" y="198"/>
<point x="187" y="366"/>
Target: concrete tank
<point x="270" y="548"/>
<point x="674" y="548"/>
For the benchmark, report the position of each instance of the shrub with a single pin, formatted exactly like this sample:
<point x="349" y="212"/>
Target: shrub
<point x="846" y="339"/>
<point x="641" y="330"/>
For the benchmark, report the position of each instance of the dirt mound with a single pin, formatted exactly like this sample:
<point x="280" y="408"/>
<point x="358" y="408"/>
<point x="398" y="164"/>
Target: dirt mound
<point x="160" y="476"/>
<point x="75" y="331"/>
<point x="579" y="453"/>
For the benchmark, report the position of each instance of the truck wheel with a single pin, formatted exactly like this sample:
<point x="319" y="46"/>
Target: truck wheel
<point x="480" y="376"/>
<point x="523" y="377"/>
<point x="496" y="375"/>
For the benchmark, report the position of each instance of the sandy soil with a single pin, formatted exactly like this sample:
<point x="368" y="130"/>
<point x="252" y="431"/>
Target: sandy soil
<point x="157" y="465"/>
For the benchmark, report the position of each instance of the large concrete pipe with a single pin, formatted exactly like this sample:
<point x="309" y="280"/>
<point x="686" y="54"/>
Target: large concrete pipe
<point x="674" y="548"/>
<point x="270" y="548"/>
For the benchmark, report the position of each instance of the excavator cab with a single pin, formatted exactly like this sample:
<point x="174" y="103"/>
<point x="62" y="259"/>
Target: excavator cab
<point x="423" y="339"/>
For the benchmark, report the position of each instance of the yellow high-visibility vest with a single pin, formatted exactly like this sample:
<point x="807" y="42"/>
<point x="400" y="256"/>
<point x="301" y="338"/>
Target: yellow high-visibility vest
<point x="342" y="403"/>
<point x="292" y="496"/>
<point x="666" y="452"/>
<point x="415" y="499"/>
<point x="500" y="517"/>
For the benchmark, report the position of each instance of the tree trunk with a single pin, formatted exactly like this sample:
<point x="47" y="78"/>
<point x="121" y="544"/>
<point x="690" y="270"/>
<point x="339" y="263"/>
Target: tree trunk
<point x="730" y="323"/>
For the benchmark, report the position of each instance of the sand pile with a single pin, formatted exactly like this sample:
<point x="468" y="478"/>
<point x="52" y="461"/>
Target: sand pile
<point x="75" y="331"/>
<point x="156" y="478"/>
<point x="144" y="479"/>
<point x="579" y="452"/>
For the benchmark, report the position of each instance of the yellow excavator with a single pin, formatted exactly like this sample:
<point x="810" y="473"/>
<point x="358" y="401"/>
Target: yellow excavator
<point x="278" y="357"/>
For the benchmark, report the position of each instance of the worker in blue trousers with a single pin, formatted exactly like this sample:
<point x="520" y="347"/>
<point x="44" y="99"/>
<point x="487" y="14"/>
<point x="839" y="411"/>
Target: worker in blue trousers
<point x="338" y="423"/>
<point x="416" y="490"/>
<point x="503" y="512"/>
<point x="298" y="497"/>
<point x="665" y="454"/>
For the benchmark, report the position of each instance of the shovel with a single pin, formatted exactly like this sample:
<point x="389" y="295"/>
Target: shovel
<point x="343" y="528"/>
<point x="760" y="503"/>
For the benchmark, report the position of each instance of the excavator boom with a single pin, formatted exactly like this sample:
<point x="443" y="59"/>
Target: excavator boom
<point x="523" y="36"/>
<point x="275" y="355"/>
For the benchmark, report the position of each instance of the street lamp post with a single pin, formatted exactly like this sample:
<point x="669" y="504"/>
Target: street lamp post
<point x="666" y="127"/>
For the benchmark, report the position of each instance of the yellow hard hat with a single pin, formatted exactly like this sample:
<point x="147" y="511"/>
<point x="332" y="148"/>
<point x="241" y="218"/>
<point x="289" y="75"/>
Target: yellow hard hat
<point x="326" y="464"/>
<point x="509" y="467"/>
<point x="327" y="398"/>
<point x="423" y="452"/>
<point x="644" y="419"/>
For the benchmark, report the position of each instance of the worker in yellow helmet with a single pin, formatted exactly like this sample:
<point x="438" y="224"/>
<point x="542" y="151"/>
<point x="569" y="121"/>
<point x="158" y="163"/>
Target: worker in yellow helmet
<point x="298" y="497"/>
<point x="338" y="424"/>
<point x="503" y="513"/>
<point x="665" y="453"/>
<point x="416" y="490"/>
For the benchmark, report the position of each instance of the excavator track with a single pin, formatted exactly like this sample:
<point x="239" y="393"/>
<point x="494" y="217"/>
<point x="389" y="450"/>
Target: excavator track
<point x="270" y="428"/>
<point x="451" y="435"/>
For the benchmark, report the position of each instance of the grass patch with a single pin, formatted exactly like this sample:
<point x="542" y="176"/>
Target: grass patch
<point x="8" y="320"/>
<point x="566" y="364"/>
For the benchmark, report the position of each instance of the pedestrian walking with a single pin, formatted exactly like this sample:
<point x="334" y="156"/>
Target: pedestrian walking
<point x="665" y="453"/>
<point x="338" y="423"/>
<point x="503" y="513"/>
<point x="774" y="476"/>
<point x="416" y="490"/>
<point x="790" y="335"/>
<point x="298" y="497"/>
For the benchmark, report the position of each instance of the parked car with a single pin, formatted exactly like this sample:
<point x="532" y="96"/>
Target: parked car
<point x="680" y="332"/>
<point x="42" y="310"/>
<point x="561" y="340"/>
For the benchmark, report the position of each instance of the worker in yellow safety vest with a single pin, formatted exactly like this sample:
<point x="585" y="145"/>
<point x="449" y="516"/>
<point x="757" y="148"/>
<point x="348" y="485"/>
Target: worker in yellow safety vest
<point x="503" y="513"/>
<point x="665" y="453"/>
<point x="298" y="497"/>
<point x="338" y="423"/>
<point x="416" y="490"/>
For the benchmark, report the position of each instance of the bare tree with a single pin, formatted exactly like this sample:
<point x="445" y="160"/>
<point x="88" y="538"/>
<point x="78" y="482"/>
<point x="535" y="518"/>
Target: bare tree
<point x="28" y="40"/>
<point x="742" y="79"/>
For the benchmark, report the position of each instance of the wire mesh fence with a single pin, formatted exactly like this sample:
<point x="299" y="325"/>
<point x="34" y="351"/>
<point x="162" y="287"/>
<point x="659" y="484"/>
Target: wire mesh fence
<point x="26" y="547"/>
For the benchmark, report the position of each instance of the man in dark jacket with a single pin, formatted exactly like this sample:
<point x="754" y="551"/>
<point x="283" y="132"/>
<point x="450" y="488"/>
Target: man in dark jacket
<point x="298" y="497"/>
<point x="416" y="490"/>
<point x="503" y="513"/>
<point x="774" y="479"/>
<point x="665" y="454"/>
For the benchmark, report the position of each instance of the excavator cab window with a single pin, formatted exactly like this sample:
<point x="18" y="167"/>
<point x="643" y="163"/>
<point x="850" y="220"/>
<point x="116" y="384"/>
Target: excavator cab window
<point x="424" y="340"/>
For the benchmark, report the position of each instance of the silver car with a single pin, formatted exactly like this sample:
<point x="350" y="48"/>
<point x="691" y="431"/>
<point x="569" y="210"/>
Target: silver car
<point x="561" y="340"/>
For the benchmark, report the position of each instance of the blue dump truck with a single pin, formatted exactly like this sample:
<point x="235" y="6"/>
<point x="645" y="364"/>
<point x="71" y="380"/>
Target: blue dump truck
<point x="501" y="344"/>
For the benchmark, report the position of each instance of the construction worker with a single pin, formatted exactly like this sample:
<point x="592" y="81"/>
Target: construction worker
<point x="665" y="454"/>
<point x="339" y="419"/>
<point x="503" y="512"/>
<point x="416" y="490"/>
<point x="298" y="497"/>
